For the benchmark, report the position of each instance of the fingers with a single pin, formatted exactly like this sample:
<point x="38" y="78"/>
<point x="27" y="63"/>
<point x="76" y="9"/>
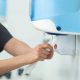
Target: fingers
<point x="46" y="47"/>
<point x="45" y="51"/>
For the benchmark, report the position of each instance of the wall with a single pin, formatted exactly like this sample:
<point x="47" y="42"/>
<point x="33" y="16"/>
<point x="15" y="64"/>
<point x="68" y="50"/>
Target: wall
<point x="18" y="23"/>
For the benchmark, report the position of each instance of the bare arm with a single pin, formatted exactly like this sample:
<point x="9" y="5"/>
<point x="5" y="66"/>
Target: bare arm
<point x="13" y="63"/>
<point x="16" y="47"/>
<point x="23" y="55"/>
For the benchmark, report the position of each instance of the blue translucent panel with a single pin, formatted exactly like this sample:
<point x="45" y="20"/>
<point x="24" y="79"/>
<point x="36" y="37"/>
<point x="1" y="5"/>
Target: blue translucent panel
<point x="2" y="7"/>
<point x="69" y="22"/>
<point x="65" y="13"/>
<point x="49" y="8"/>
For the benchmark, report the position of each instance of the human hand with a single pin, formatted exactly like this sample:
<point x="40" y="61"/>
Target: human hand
<point x="43" y="51"/>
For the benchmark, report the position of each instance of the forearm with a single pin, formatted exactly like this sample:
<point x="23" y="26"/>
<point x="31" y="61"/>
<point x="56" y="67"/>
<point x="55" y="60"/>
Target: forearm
<point x="16" y="47"/>
<point x="15" y="62"/>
